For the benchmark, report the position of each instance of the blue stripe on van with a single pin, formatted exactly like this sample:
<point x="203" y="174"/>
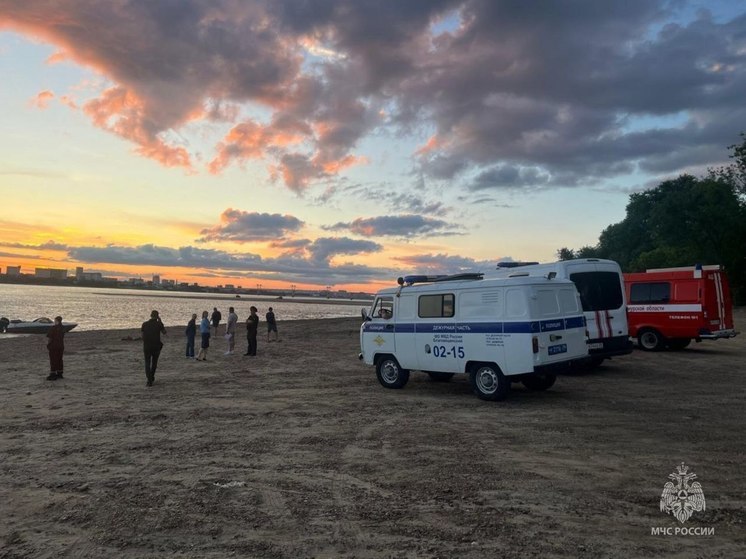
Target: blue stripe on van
<point x="520" y="327"/>
<point x="476" y="327"/>
<point x="552" y="325"/>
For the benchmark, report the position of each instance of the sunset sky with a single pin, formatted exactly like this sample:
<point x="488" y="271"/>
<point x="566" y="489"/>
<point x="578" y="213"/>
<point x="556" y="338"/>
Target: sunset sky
<point x="344" y="143"/>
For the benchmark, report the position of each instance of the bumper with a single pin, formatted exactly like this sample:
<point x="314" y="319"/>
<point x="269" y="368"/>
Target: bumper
<point x="717" y="334"/>
<point x="609" y="347"/>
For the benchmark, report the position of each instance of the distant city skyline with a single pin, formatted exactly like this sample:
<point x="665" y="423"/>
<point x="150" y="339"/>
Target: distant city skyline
<point x="346" y="143"/>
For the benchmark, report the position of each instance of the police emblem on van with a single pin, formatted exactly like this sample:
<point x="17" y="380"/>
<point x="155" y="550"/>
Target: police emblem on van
<point x="379" y="340"/>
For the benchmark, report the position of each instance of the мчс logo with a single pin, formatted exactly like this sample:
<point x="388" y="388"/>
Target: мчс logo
<point x="681" y="498"/>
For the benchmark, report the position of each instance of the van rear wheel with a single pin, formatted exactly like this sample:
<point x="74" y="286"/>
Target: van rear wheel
<point x="539" y="382"/>
<point x="390" y="374"/>
<point x="650" y="340"/>
<point x="439" y="377"/>
<point x="489" y="383"/>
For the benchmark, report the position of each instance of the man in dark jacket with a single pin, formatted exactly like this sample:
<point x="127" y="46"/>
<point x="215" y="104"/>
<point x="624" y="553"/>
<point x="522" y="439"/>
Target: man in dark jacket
<point x="252" y="325"/>
<point x="191" y="332"/>
<point x="151" y="343"/>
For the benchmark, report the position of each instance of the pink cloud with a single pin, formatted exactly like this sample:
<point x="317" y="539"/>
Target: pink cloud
<point x="42" y="99"/>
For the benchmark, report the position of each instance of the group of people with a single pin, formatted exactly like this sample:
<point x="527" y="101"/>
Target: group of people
<point x="212" y="323"/>
<point x="151" y="338"/>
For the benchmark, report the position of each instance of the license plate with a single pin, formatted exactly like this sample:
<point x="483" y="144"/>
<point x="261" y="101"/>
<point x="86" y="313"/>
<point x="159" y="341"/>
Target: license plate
<point x="597" y="345"/>
<point x="555" y="349"/>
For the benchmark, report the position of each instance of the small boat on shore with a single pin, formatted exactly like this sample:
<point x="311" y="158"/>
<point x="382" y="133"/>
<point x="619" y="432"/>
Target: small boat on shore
<point x="38" y="326"/>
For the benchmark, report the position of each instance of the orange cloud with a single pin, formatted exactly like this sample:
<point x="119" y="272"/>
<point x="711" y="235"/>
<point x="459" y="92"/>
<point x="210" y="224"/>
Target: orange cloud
<point x="42" y="99"/>
<point x="250" y="140"/>
<point x="57" y="58"/>
<point x="120" y="111"/>
<point x="334" y="167"/>
<point x="431" y="145"/>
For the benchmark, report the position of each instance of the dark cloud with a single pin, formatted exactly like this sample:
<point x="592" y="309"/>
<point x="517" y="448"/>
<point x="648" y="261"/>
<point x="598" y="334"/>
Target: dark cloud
<point x="311" y="265"/>
<point x="434" y="264"/>
<point x="49" y="245"/>
<point x="554" y="92"/>
<point x="410" y="225"/>
<point x="509" y="176"/>
<point x="240" y="226"/>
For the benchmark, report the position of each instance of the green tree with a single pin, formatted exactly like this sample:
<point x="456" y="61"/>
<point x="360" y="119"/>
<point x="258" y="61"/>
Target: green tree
<point x="682" y="222"/>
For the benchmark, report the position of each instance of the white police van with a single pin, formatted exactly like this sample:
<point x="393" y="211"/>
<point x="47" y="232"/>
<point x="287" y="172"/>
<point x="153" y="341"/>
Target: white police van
<point x="601" y="287"/>
<point x="497" y="331"/>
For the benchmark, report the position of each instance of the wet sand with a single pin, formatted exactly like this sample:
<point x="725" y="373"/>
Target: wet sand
<point x="299" y="452"/>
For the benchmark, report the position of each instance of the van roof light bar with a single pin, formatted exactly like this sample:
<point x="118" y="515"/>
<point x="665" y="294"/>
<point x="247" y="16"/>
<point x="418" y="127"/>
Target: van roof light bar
<point x="511" y="264"/>
<point x="412" y="279"/>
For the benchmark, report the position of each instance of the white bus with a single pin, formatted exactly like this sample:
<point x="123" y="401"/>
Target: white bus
<point x="601" y="287"/>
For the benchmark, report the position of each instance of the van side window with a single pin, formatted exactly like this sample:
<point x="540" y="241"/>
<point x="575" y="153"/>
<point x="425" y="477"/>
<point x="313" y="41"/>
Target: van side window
<point x="568" y="301"/>
<point x="548" y="304"/>
<point x="384" y="307"/>
<point x="599" y="291"/>
<point x="657" y="292"/>
<point x="515" y="303"/>
<point x="436" y="306"/>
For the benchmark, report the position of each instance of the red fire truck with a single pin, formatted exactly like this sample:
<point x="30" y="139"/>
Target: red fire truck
<point x="670" y="307"/>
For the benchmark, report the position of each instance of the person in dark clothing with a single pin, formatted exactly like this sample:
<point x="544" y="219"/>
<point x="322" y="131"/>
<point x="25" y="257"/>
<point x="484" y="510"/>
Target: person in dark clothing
<point x="215" y="318"/>
<point x="191" y="332"/>
<point x="204" y="330"/>
<point x="252" y="325"/>
<point x="56" y="347"/>
<point x="271" y="325"/>
<point x="151" y="343"/>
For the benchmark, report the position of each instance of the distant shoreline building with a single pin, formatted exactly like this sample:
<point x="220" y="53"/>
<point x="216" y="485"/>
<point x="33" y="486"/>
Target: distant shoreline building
<point x="50" y="273"/>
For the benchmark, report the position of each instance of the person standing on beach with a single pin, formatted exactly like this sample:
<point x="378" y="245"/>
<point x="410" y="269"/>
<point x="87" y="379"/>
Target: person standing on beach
<point x="152" y="345"/>
<point x="252" y="325"/>
<point x="215" y="317"/>
<point x="230" y="330"/>
<point x="191" y="331"/>
<point x="204" y="330"/>
<point x="56" y="347"/>
<point x="271" y="325"/>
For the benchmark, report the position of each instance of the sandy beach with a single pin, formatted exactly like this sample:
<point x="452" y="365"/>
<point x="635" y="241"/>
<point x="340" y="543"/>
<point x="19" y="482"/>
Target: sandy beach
<point x="299" y="452"/>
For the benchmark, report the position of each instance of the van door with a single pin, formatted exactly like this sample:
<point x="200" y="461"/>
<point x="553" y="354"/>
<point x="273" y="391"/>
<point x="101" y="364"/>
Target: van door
<point x="716" y="302"/>
<point x="601" y="292"/>
<point x="438" y="343"/>
<point x="378" y="333"/>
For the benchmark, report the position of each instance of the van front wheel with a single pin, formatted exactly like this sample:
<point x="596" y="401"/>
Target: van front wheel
<point x="489" y="383"/>
<point x="390" y="374"/>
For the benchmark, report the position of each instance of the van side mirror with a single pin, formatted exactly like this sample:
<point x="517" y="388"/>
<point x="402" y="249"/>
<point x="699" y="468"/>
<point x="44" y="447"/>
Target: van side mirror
<point x="364" y="314"/>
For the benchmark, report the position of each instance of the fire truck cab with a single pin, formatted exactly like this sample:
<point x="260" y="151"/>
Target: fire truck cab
<point x="670" y="307"/>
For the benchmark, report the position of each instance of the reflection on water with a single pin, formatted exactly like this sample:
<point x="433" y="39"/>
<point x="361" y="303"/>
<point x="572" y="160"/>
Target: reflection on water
<point x="97" y="308"/>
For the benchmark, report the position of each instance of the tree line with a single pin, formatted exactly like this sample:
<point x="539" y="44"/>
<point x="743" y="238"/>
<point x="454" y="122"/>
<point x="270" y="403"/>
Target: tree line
<point x="681" y="222"/>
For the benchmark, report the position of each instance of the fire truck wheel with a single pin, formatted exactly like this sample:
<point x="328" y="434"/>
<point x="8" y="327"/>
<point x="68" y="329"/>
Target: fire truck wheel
<point x="650" y="339"/>
<point x="539" y="382"/>
<point x="439" y="377"/>
<point x="678" y="343"/>
<point x="390" y="374"/>
<point x="488" y="382"/>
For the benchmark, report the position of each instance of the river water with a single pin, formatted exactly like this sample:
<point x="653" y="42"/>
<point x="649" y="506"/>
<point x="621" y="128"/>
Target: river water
<point x="99" y="308"/>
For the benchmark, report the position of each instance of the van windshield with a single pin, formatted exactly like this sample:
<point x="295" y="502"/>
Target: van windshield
<point x="599" y="291"/>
